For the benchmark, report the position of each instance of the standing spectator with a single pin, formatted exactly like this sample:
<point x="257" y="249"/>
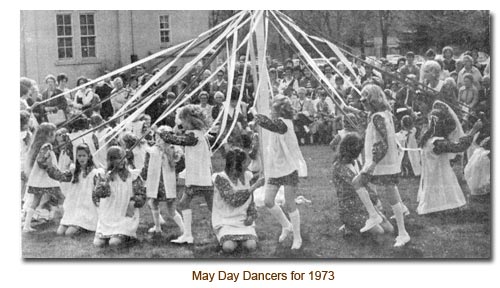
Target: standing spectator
<point x="308" y="82"/>
<point x="468" y="93"/>
<point x="220" y="84"/>
<point x="469" y="68"/>
<point x="303" y="112"/>
<point x="54" y="105"/>
<point x="287" y="84"/>
<point x="120" y="94"/>
<point x="449" y="63"/>
<point x="62" y="82"/>
<point x="103" y="90"/>
<point x="410" y="67"/>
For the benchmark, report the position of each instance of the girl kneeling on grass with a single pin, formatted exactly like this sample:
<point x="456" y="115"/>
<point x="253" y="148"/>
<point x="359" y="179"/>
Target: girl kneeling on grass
<point x="354" y="196"/>
<point x="119" y="196"/>
<point x="80" y="213"/>
<point x="161" y="184"/>
<point x="233" y="212"/>
<point x="286" y="165"/>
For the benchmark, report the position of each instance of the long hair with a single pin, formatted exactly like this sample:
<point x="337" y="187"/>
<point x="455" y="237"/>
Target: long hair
<point x="115" y="153"/>
<point x="42" y="136"/>
<point x="234" y="161"/>
<point x="441" y="125"/>
<point x="78" y="167"/>
<point x="375" y="96"/>
<point x="194" y="115"/>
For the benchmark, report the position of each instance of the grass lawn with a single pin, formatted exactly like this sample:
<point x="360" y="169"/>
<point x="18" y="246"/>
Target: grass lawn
<point x="463" y="234"/>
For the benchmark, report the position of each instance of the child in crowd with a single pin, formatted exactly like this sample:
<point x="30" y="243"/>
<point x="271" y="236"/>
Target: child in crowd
<point x="233" y="212"/>
<point x="80" y="213"/>
<point x="198" y="179"/>
<point x="286" y="165"/>
<point x="119" y="195"/>
<point x="439" y="188"/>
<point x="159" y="174"/>
<point x="410" y="160"/>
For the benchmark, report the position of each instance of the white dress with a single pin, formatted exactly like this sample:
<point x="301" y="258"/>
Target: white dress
<point x="477" y="172"/>
<point x="79" y="210"/>
<point x="284" y="154"/>
<point x="112" y="210"/>
<point x="198" y="161"/>
<point x="64" y="164"/>
<point x="226" y="219"/>
<point x="389" y="165"/>
<point x="407" y="140"/>
<point x="439" y="189"/>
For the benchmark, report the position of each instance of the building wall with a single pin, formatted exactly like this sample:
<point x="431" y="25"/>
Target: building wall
<point x="119" y="34"/>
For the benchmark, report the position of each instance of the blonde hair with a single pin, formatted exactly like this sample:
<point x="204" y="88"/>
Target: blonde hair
<point x="432" y="67"/>
<point x="375" y="96"/>
<point x="194" y="115"/>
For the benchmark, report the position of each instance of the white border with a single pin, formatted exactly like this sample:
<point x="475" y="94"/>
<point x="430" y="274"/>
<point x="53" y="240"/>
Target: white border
<point x="178" y="273"/>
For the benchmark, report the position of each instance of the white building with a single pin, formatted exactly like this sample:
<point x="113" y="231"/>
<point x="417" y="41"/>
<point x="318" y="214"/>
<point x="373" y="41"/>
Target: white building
<point x="86" y="43"/>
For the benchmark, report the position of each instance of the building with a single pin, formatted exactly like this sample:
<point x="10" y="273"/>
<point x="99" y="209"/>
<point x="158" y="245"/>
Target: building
<point x="89" y="42"/>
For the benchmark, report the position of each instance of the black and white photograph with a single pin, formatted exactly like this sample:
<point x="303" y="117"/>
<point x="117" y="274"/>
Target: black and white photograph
<point x="255" y="134"/>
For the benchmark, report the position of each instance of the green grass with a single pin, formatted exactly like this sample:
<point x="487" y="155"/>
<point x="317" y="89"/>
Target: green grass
<point x="463" y="234"/>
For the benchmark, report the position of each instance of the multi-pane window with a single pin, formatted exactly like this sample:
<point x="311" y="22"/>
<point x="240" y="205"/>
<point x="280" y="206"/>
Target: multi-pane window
<point x="64" y="36"/>
<point x="87" y="35"/>
<point x="164" y="29"/>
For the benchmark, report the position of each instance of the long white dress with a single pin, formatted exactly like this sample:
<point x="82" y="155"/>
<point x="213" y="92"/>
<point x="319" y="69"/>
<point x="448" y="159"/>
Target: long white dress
<point x="79" y="210"/>
<point x="439" y="189"/>
<point x="477" y="172"/>
<point x="229" y="220"/>
<point x="112" y="210"/>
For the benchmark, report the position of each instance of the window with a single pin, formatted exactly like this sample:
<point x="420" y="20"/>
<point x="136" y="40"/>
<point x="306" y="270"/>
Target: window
<point x="64" y="36"/>
<point x="87" y="33"/>
<point x="164" y="29"/>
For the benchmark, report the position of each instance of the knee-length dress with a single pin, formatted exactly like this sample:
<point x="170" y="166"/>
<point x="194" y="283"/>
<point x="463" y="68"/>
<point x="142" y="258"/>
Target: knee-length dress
<point x="233" y="211"/>
<point x="439" y="188"/>
<point x="114" y="198"/>
<point x="79" y="209"/>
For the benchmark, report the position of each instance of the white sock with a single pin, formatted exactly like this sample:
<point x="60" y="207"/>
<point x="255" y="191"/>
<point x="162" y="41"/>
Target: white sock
<point x="178" y="220"/>
<point x="367" y="202"/>
<point x="156" y="219"/>
<point x="297" y="238"/>
<point x="29" y="215"/>
<point x="187" y="216"/>
<point x="280" y="216"/>
<point x="400" y="221"/>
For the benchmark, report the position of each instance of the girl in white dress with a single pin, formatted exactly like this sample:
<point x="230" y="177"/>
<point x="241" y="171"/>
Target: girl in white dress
<point x="477" y="171"/>
<point x="439" y="188"/>
<point x="233" y="212"/>
<point x="161" y="183"/>
<point x="286" y="165"/>
<point x="39" y="183"/>
<point x="198" y="176"/>
<point x="80" y="213"/>
<point x="119" y="196"/>
<point x="382" y="166"/>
